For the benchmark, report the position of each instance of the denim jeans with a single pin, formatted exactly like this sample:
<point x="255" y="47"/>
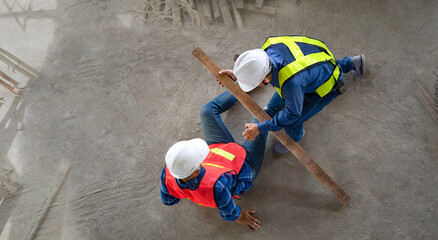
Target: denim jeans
<point x="215" y="130"/>
<point x="312" y="103"/>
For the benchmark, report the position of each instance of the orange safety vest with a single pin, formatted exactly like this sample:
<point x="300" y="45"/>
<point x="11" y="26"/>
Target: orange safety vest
<point x="221" y="159"/>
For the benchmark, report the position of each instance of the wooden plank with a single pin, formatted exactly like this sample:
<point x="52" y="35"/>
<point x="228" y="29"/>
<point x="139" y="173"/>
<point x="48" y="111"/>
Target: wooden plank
<point x="216" y="9"/>
<point x="259" y="4"/>
<point x="236" y="13"/>
<point x="263" y="10"/>
<point x="239" y="4"/>
<point x="53" y="188"/>
<point x="226" y="15"/>
<point x="262" y="116"/>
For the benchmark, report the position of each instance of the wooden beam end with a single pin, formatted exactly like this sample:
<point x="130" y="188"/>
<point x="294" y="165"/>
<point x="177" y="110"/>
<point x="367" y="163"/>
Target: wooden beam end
<point x="345" y="200"/>
<point x="197" y="52"/>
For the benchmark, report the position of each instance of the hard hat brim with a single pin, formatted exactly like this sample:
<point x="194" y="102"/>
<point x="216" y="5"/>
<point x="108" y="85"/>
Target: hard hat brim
<point x="246" y="88"/>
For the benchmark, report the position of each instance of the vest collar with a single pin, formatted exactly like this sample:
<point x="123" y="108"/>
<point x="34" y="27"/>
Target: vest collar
<point x="274" y="79"/>
<point x="192" y="184"/>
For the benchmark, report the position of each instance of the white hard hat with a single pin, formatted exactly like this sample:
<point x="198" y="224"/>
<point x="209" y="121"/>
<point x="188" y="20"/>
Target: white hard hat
<point x="251" y="68"/>
<point x="185" y="157"/>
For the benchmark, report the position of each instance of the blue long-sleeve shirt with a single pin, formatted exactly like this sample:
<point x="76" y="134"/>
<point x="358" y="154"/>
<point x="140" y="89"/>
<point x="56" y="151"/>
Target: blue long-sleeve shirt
<point x="294" y="89"/>
<point x="222" y="190"/>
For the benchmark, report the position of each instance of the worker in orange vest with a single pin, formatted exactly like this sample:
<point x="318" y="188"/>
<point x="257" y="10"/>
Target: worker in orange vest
<point x="212" y="173"/>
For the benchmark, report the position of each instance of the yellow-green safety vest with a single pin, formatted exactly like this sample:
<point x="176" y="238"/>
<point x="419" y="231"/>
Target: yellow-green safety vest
<point x="302" y="62"/>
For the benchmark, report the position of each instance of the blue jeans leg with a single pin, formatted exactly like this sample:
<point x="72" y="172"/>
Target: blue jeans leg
<point x="275" y="105"/>
<point x="346" y="64"/>
<point x="215" y="130"/>
<point x="312" y="105"/>
<point x="255" y="150"/>
<point x="213" y="127"/>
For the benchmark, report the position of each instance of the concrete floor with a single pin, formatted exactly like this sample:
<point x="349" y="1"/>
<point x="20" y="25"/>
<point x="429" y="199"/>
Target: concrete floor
<point x="115" y="93"/>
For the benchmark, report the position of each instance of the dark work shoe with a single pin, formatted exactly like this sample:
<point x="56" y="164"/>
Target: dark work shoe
<point x="359" y="62"/>
<point x="279" y="148"/>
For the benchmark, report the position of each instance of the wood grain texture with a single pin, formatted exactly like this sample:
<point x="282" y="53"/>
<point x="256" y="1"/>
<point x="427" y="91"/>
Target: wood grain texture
<point x="261" y="115"/>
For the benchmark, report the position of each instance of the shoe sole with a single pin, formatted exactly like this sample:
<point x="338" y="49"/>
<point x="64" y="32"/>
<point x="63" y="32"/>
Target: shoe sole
<point x="279" y="154"/>
<point x="362" y="63"/>
<point x="361" y="69"/>
<point x="282" y="153"/>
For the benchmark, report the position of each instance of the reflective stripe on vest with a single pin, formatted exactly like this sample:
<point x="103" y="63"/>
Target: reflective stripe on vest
<point x="223" y="153"/>
<point x="302" y="62"/>
<point x="222" y="158"/>
<point x="211" y="164"/>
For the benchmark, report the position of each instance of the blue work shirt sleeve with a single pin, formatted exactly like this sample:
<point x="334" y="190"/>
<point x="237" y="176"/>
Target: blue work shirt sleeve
<point x="294" y="96"/>
<point x="228" y="209"/>
<point x="166" y="198"/>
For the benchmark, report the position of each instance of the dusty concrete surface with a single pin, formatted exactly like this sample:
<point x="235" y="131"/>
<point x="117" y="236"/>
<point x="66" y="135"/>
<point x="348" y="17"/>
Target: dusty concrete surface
<point x="114" y="94"/>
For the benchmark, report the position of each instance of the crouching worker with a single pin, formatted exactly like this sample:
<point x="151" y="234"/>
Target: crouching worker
<point x="212" y="173"/>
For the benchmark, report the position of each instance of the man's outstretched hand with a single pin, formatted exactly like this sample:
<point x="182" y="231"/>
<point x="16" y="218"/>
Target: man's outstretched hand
<point x="251" y="131"/>
<point x="229" y="72"/>
<point x="247" y="220"/>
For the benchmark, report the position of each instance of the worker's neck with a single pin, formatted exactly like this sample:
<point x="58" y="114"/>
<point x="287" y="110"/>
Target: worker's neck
<point x="186" y="180"/>
<point x="191" y="177"/>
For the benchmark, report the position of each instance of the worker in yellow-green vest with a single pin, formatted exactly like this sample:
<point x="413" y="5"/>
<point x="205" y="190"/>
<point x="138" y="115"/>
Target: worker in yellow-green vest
<point x="305" y="75"/>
